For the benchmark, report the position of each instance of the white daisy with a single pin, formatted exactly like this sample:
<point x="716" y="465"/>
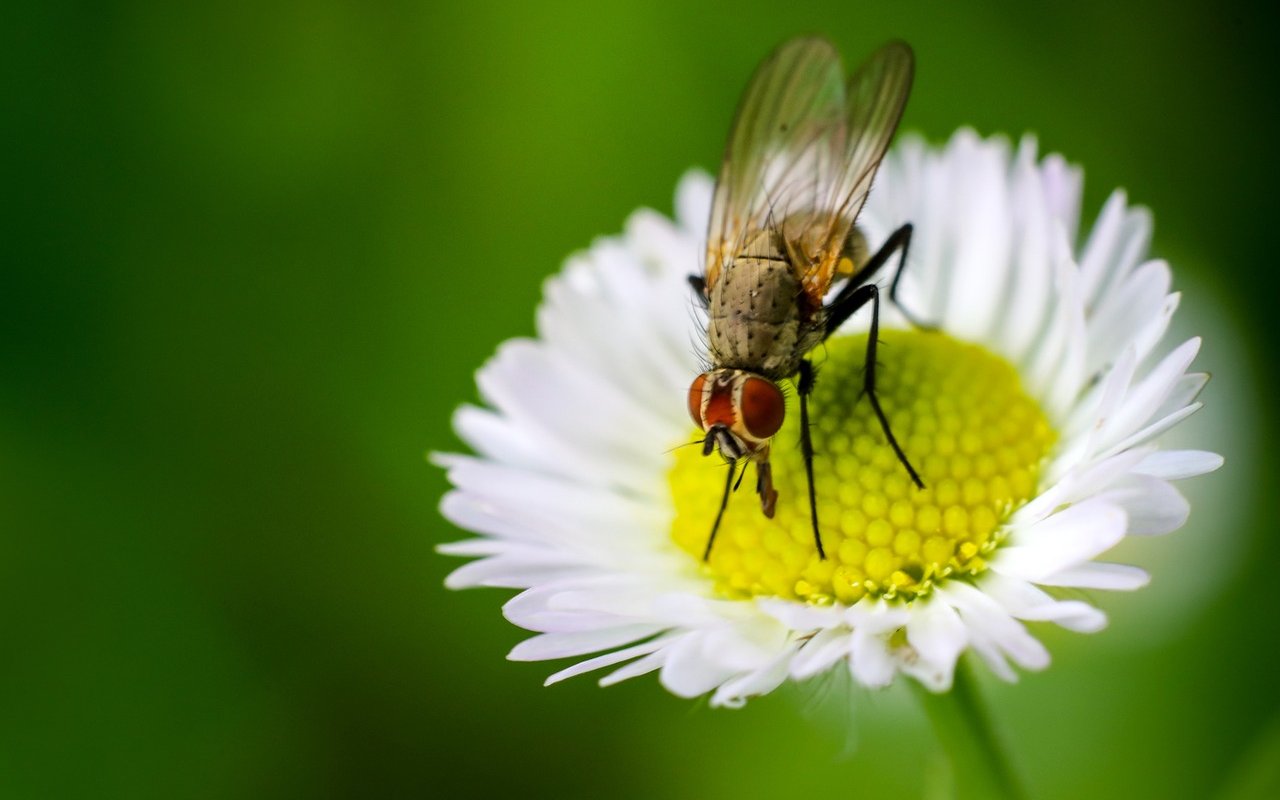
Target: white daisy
<point x="1032" y="415"/>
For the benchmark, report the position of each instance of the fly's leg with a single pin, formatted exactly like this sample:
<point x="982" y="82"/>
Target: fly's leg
<point x="839" y="309"/>
<point x="764" y="485"/>
<point x="847" y="305"/>
<point x="805" y="388"/>
<point x="724" y="502"/>
<point x="903" y="235"/>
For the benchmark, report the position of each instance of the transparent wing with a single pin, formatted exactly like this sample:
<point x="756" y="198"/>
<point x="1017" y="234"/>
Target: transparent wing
<point x="803" y="152"/>
<point x="781" y="153"/>
<point x="876" y="95"/>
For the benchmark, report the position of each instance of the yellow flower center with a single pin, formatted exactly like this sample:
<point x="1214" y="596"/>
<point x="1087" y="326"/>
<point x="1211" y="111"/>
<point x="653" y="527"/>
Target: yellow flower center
<point x="962" y="418"/>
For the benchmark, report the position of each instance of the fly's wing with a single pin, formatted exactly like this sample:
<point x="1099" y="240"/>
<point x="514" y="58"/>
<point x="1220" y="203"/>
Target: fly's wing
<point x="783" y="151"/>
<point x="875" y="98"/>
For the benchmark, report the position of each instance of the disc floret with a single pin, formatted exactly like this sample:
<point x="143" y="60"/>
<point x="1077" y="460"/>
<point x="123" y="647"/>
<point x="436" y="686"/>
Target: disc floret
<point x="963" y="418"/>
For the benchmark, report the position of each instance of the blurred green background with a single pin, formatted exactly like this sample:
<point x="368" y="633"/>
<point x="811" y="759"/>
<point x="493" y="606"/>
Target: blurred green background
<point x="254" y="254"/>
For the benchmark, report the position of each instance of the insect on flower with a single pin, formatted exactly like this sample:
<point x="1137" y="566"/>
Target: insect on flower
<point x="797" y="168"/>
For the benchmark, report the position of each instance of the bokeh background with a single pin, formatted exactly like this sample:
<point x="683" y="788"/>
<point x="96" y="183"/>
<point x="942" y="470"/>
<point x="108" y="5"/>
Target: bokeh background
<point x="253" y="254"/>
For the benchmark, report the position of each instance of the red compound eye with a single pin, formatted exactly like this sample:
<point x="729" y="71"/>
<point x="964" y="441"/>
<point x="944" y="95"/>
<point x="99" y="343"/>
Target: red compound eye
<point x="695" y="399"/>
<point x="762" y="407"/>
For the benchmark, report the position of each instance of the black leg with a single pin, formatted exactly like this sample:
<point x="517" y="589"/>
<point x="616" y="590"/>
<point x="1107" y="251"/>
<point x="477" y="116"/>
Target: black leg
<point x="857" y="299"/>
<point x="724" y="502"/>
<point x="839" y="309"/>
<point x="869" y="381"/>
<point x="905" y="233"/>
<point x="806" y="448"/>
<point x="699" y="285"/>
<point x="764" y="488"/>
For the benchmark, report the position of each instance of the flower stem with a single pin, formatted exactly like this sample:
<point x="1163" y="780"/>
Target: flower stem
<point x="979" y="765"/>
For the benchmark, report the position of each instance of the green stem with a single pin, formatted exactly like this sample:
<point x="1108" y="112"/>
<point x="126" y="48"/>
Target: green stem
<point x="978" y="763"/>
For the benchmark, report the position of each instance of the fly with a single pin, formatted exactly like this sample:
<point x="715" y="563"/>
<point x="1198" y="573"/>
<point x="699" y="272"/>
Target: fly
<point x="803" y="151"/>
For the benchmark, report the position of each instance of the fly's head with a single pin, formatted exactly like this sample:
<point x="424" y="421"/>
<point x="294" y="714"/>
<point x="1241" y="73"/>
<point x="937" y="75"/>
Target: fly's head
<point x="740" y="412"/>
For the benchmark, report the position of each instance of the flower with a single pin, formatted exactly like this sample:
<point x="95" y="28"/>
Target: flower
<point x="1033" y="412"/>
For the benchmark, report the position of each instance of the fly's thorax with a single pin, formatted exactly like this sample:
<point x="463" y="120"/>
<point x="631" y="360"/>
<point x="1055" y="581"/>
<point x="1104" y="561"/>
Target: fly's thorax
<point x="739" y="410"/>
<point x="756" y="321"/>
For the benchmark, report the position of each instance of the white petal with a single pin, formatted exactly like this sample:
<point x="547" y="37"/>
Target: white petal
<point x="632" y="596"/>
<point x="1173" y="465"/>
<point x="1077" y="484"/>
<point x="1117" y="243"/>
<point x="693" y="202"/>
<point x="821" y="652"/>
<point x="1154" y="429"/>
<point x="746" y="646"/>
<point x="801" y="617"/>
<point x="938" y="636"/>
<point x="471" y="547"/>
<point x="987" y="620"/>
<point x="641" y="666"/>
<point x="1029" y="300"/>
<point x="1155" y="326"/>
<point x="696" y="611"/>
<point x="981" y="257"/>
<point x="1152" y="505"/>
<point x="1056" y="369"/>
<point x="1070" y="537"/>
<point x="562" y="645"/>
<point x="993" y="657"/>
<point x="691" y="668"/>
<point x="870" y="660"/>
<point x="1085" y="424"/>
<point x="1063" y="186"/>
<point x="1026" y="602"/>
<point x="1121" y="315"/>
<point x="1187" y="390"/>
<point x="566" y="621"/>
<point x="576" y="412"/>
<point x="558" y="605"/>
<point x="1074" y="615"/>
<point x="523" y="505"/>
<point x="546" y="539"/>
<point x="495" y="437"/>
<point x="517" y="568"/>
<point x="1096" y="258"/>
<point x="1099" y="575"/>
<point x="606" y="660"/>
<point x="1144" y="398"/>
<point x="734" y="692"/>
<point x="876" y="616"/>
<point x="658" y="242"/>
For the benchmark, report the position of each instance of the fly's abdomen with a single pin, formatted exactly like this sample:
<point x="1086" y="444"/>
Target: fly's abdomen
<point x="754" y="320"/>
